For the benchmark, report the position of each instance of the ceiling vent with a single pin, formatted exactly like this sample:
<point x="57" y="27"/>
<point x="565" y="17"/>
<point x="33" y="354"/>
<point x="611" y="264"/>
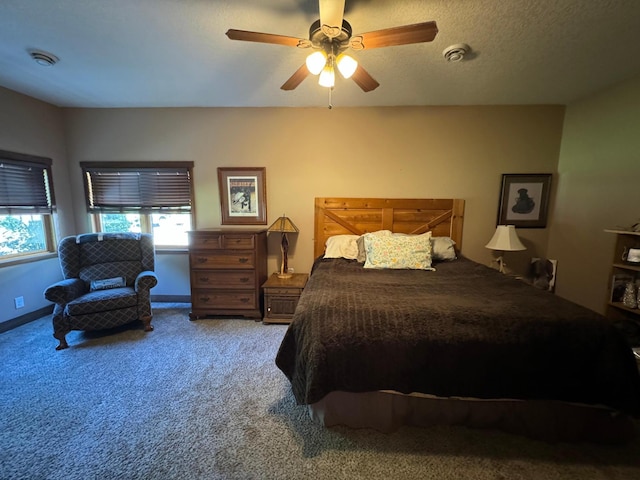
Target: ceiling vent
<point x="456" y="52"/>
<point x="43" y="58"/>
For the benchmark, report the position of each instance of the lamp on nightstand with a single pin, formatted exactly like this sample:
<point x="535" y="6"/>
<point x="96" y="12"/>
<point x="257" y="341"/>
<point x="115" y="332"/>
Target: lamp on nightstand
<point x="283" y="225"/>
<point x="505" y="239"/>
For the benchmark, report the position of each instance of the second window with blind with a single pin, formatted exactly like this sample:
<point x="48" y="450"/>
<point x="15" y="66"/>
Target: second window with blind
<point x="147" y="197"/>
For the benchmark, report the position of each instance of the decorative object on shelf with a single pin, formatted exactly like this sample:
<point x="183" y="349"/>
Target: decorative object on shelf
<point x="619" y="282"/>
<point x="524" y="200"/>
<point x="243" y="195"/>
<point x="505" y="239"/>
<point x="631" y="255"/>
<point x="284" y="225"/>
<point x="630" y="300"/>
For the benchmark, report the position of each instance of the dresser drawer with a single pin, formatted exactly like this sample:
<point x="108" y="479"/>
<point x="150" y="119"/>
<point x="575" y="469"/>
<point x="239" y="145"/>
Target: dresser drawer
<point x="221" y="279"/>
<point x="283" y="291"/>
<point x="201" y="241"/>
<point x="237" y="241"/>
<point x="222" y="259"/>
<point x="225" y="299"/>
<point x="222" y="241"/>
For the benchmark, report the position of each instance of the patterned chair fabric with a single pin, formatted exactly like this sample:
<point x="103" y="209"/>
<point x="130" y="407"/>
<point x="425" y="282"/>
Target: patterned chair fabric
<point x="99" y="256"/>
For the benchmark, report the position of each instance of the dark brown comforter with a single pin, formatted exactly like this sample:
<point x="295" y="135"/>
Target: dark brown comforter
<point x="464" y="330"/>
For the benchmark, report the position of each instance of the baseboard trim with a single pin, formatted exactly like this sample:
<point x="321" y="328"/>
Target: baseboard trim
<point x="171" y="298"/>
<point x="24" y="319"/>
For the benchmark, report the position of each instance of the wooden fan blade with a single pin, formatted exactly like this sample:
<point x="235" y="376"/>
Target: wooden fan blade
<point x="365" y="81"/>
<point x="296" y="79"/>
<point x="417" y="33"/>
<point x="331" y="15"/>
<point x="267" y="38"/>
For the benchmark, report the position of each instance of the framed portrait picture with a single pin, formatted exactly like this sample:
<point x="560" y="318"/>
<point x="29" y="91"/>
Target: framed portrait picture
<point x="243" y="195"/>
<point x="524" y="200"/>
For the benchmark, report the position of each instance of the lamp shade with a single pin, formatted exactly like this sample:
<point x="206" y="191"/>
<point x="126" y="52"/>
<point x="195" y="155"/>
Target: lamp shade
<point x="284" y="225"/>
<point x="346" y="65"/>
<point x="316" y="62"/>
<point x="327" y="77"/>
<point x="505" y="239"/>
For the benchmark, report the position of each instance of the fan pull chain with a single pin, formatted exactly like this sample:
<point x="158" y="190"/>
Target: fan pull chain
<point x="330" y="104"/>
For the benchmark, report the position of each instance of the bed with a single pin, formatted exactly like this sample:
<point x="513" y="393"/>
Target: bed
<point x="452" y="342"/>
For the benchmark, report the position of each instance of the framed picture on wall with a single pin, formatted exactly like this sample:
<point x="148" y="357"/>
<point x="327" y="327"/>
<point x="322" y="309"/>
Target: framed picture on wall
<point x="524" y="200"/>
<point x="243" y="195"/>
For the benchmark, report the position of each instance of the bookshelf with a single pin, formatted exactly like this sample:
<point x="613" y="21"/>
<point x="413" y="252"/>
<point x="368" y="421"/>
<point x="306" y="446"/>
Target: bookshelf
<point x="623" y="272"/>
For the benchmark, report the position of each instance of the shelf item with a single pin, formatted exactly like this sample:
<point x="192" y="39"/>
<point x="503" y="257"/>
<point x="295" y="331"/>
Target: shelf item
<point x="227" y="268"/>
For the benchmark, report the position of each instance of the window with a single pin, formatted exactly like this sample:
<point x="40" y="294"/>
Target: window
<point x="26" y="205"/>
<point x="149" y="197"/>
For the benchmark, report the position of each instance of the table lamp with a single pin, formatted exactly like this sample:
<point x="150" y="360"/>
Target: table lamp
<point x="505" y="239"/>
<point x="283" y="225"/>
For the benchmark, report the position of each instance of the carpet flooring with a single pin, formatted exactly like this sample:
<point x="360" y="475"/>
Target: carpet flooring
<point x="204" y="400"/>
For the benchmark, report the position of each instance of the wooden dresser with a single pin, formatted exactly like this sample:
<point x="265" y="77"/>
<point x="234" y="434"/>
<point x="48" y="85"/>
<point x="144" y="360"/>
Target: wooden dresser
<point x="227" y="269"/>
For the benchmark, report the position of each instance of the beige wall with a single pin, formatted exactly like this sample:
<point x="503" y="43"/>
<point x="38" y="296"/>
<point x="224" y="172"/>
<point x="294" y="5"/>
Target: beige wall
<point x="360" y="152"/>
<point x="403" y="152"/>
<point x="598" y="188"/>
<point x="36" y="128"/>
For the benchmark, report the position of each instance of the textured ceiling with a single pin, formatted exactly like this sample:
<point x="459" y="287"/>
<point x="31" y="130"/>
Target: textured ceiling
<point x="156" y="53"/>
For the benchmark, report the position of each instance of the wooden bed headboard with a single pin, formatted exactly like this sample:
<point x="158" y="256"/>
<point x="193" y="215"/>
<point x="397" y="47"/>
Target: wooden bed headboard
<point x="355" y="216"/>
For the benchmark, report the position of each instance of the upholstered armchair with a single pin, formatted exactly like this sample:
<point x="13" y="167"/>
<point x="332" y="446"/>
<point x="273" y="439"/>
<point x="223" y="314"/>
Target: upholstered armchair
<point x="107" y="283"/>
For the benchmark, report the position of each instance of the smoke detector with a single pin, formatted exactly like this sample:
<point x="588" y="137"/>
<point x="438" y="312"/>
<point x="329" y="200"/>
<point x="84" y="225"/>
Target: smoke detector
<point x="456" y="52"/>
<point x="43" y="58"/>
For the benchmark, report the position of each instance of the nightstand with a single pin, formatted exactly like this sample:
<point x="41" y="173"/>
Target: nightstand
<point x="281" y="297"/>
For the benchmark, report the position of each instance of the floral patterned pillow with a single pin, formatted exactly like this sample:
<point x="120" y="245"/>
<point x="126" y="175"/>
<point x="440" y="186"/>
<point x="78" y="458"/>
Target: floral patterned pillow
<point x="398" y="252"/>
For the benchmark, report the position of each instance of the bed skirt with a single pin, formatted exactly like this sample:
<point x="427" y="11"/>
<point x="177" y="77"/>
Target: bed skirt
<point x="549" y="421"/>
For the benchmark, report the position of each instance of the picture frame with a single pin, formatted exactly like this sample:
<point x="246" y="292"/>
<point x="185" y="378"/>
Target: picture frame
<point x="524" y="200"/>
<point x="243" y="195"/>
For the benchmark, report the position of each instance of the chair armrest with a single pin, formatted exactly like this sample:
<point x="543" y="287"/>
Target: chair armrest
<point x="145" y="281"/>
<point x="64" y="291"/>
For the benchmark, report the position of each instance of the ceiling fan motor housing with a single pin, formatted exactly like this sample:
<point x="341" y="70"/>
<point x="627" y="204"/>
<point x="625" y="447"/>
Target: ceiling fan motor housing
<point x="320" y="40"/>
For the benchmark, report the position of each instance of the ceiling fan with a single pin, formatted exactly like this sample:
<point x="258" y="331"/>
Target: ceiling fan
<point x="330" y="37"/>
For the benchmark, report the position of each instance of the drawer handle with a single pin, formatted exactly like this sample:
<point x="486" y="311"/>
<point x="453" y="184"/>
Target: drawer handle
<point x="201" y="260"/>
<point x="243" y="260"/>
<point x="244" y="280"/>
<point x="204" y="279"/>
<point x="244" y="300"/>
<point x="205" y="299"/>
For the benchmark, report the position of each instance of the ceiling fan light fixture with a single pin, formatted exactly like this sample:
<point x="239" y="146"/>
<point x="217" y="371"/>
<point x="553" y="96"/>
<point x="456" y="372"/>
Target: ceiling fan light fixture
<point x="327" y="77"/>
<point x="316" y="62"/>
<point x="347" y="65"/>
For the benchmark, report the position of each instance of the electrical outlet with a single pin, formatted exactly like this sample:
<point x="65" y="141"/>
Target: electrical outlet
<point x="19" y="301"/>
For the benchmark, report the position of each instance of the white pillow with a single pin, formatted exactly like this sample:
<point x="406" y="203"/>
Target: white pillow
<point x="398" y="251"/>
<point x="443" y="248"/>
<point x="107" y="283"/>
<point x="342" y="246"/>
